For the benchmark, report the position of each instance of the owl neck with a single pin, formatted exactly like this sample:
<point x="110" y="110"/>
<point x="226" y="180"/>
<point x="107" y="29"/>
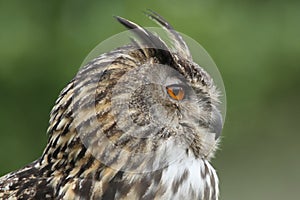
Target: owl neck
<point x="196" y="179"/>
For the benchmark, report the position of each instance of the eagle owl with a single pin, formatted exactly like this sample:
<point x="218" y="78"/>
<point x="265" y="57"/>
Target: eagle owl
<point x="139" y="122"/>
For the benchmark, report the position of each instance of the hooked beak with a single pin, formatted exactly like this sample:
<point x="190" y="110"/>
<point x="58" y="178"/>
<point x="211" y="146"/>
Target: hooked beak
<point x="216" y="124"/>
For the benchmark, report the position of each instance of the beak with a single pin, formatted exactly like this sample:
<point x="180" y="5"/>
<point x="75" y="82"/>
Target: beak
<point x="216" y="124"/>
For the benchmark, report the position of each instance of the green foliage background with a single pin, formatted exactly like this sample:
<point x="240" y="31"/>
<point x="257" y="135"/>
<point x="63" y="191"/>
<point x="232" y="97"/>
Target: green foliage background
<point x="256" y="45"/>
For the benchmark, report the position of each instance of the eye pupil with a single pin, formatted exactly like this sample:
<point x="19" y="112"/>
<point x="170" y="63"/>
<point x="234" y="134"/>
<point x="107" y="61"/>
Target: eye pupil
<point x="176" y="92"/>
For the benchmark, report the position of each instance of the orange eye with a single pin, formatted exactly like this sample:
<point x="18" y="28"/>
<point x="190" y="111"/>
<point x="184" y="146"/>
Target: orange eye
<point x="176" y="92"/>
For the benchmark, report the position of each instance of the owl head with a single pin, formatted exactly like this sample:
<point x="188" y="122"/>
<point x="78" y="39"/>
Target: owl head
<point x="142" y="106"/>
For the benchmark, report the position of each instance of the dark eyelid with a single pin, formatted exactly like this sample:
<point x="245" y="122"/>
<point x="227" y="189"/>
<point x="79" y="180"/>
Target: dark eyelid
<point x="177" y="85"/>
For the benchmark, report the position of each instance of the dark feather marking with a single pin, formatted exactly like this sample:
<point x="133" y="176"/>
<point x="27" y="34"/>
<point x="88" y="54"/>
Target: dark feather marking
<point x="178" y="182"/>
<point x="142" y="187"/>
<point x="44" y="191"/>
<point x="93" y="66"/>
<point x="205" y="172"/>
<point x="97" y="175"/>
<point x="81" y="153"/>
<point x="206" y="191"/>
<point x="83" y="188"/>
<point x="176" y="38"/>
<point x="213" y="185"/>
<point x="135" y="43"/>
<point x="46" y="169"/>
<point x="113" y="186"/>
<point x="156" y="47"/>
<point x="66" y="129"/>
<point x="64" y="92"/>
<point x="85" y="166"/>
<point x="156" y="190"/>
<point x="56" y="151"/>
<point x="63" y="105"/>
<point x="143" y="34"/>
<point x="53" y="143"/>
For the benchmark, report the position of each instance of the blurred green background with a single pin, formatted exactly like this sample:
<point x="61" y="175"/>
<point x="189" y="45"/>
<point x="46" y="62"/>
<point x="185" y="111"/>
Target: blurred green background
<point x="256" y="45"/>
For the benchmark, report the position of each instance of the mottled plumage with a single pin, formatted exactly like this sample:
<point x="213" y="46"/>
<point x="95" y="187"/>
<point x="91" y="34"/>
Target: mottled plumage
<point x="116" y="132"/>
